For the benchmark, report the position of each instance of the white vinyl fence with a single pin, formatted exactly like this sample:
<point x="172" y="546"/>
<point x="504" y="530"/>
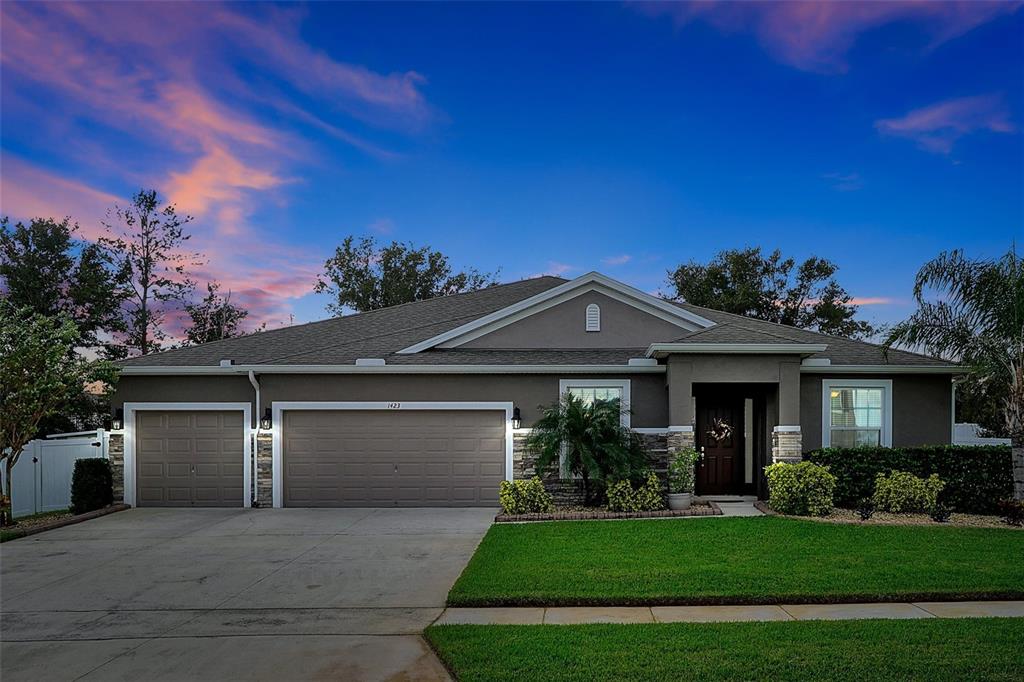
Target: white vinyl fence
<point x="41" y="480"/>
<point x="967" y="434"/>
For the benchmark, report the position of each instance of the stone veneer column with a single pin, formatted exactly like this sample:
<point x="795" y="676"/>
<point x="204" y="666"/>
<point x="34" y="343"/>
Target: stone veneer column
<point x="680" y="437"/>
<point x="115" y="454"/>
<point x="787" y="444"/>
<point x="265" y="469"/>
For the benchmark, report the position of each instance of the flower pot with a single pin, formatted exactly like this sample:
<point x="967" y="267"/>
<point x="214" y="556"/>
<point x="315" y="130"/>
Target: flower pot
<point x="679" y="500"/>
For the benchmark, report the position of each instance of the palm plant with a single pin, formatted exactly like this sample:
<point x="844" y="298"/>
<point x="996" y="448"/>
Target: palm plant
<point x="596" y="446"/>
<point x="975" y="316"/>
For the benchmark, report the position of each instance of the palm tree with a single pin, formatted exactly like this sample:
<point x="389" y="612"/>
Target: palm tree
<point x="596" y="446"/>
<point x="975" y="316"/>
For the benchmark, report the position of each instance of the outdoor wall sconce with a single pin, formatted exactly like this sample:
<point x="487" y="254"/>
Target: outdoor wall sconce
<point x="266" y="421"/>
<point x="517" y="418"/>
<point x="117" y="423"/>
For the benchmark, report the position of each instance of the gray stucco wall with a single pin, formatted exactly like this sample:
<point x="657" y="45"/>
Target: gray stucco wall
<point x="921" y="408"/>
<point x="527" y="391"/>
<point x="563" y="326"/>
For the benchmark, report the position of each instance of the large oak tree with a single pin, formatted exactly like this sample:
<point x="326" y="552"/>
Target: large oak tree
<point x="770" y="287"/>
<point x="363" y="275"/>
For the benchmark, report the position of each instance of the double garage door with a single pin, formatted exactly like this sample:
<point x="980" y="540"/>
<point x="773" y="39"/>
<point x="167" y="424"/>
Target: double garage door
<point x="384" y="458"/>
<point x="331" y="458"/>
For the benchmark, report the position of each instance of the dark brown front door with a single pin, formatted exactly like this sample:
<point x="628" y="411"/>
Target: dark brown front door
<point x="720" y="472"/>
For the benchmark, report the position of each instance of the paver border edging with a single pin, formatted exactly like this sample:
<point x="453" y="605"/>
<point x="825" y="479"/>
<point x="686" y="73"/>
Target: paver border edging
<point x="70" y="521"/>
<point x="709" y="509"/>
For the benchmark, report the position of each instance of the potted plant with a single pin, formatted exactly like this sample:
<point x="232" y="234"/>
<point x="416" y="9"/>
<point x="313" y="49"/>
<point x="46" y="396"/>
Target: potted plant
<point x="681" y="477"/>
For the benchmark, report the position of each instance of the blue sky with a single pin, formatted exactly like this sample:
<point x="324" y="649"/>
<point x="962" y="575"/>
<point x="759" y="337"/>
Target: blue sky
<point x="533" y="138"/>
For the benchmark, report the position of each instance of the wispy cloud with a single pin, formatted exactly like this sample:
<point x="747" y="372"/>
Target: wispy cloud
<point x="556" y="269"/>
<point x="937" y="127"/>
<point x="382" y="226"/>
<point x="617" y="260"/>
<point x="171" y="79"/>
<point x="844" y="182"/>
<point x="873" y="300"/>
<point x="816" y="36"/>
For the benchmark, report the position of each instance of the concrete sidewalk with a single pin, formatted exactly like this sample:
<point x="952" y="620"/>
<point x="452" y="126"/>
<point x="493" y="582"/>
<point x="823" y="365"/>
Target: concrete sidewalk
<point x="575" y="615"/>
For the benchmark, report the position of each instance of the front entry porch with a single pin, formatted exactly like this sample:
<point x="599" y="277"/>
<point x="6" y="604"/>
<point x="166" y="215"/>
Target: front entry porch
<point x="731" y="433"/>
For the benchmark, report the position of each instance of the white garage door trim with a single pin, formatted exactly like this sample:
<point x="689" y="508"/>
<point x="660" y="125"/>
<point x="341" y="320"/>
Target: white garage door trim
<point x="279" y="407"/>
<point x="129" y="440"/>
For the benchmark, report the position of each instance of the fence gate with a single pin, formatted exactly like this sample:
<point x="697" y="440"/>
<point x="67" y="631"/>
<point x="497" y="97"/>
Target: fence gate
<point x="41" y="480"/>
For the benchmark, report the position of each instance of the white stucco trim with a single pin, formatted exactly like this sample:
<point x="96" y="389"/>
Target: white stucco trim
<point x="887" y="398"/>
<point x="278" y="407"/>
<point x="783" y="428"/>
<point x="662" y="349"/>
<point x="623" y="384"/>
<point x="882" y="369"/>
<point x="129" y="440"/>
<point x="687" y="428"/>
<point x="393" y="369"/>
<point x="592" y="281"/>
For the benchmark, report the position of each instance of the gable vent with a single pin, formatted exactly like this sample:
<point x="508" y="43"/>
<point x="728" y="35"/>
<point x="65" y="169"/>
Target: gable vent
<point x="593" y="318"/>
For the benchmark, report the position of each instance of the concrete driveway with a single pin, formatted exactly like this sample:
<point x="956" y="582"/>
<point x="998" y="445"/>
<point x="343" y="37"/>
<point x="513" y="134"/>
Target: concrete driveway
<point x="282" y="594"/>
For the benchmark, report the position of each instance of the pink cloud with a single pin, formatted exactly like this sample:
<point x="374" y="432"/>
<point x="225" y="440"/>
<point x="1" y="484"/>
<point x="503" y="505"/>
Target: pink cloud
<point x="556" y="269"/>
<point x="382" y="226"/>
<point x="217" y="178"/>
<point x="938" y="126"/>
<point x="816" y="36"/>
<point x="27" y="192"/>
<point x="872" y="300"/>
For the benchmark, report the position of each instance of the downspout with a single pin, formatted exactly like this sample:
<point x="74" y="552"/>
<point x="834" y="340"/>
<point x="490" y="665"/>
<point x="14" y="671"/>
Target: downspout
<point x="255" y="444"/>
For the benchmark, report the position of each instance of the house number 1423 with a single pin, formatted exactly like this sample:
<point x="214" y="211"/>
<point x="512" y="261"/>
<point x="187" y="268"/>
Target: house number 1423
<point x="394" y="406"/>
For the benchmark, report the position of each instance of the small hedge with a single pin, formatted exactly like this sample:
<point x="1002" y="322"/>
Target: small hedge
<point x="976" y="476"/>
<point x="92" y="485"/>
<point x="524" y="497"/>
<point x="904" y="493"/>
<point x="623" y="497"/>
<point x="802" y="489"/>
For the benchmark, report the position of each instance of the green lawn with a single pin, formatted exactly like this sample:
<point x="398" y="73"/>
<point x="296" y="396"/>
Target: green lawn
<point x="970" y="649"/>
<point x="742" y="560"/>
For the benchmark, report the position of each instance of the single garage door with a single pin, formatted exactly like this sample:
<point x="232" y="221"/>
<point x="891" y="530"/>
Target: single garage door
<point x="385" y="458"/>
<point x="189" y="459"/>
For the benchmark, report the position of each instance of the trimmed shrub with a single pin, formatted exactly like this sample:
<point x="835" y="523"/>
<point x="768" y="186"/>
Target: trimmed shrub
<point x="1012" y="512"/>
<point x="866" y="509"/>
<point x="623" y="497"/>
<point x="976" y="476"/>
<point x="92" y="485"/>
<point x="802" y="489"/>
<point x="524" y="497"/>
<point x="902" y="492"/>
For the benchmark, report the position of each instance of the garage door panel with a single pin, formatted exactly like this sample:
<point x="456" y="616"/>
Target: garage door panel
<point x="393" y="457"/>
<point x="190" y="458"/>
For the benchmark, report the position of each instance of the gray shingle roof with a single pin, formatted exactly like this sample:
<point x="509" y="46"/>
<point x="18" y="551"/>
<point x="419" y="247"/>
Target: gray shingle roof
<point x="381" y="333"/>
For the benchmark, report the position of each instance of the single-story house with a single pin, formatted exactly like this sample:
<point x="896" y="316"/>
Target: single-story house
<point x="428" y="403"/>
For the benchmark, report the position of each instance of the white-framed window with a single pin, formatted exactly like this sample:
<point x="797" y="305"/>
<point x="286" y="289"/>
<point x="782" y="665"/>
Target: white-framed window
<point x="593" y="318"/>
<point x="856" y="412"/>
<point x="590" y="390"/>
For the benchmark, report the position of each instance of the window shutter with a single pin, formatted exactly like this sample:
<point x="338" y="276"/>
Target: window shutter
<point x="593" y="318"/>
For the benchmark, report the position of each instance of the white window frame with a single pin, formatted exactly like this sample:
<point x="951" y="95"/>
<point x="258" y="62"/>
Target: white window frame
<point x="130" y="410"/>
<point x="593" y="318"/>
<point x="827" y="385"/>
<point x="279" y="407"/>
<point x="623" y="384"/>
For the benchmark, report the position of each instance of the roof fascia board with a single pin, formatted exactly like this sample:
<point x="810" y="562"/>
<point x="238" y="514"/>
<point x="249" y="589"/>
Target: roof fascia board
<point x="394" y="369"/>
<point x="631" y="295"/>
<point x="661" y="349"/>
<point x="882" y="369"/>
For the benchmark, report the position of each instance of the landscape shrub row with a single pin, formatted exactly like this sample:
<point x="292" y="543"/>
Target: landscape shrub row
<point x="977" y="477"/>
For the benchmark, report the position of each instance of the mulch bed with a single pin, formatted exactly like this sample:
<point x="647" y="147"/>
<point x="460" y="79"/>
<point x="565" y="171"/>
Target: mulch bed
<point x="838" y="515"/>
<point x="710" y="509"/>
<point x="25" y="528"/>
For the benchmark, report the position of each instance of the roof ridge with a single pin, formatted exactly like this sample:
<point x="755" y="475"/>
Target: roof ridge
<point x="338" y="318"/>
<point x="757" y="320"/>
